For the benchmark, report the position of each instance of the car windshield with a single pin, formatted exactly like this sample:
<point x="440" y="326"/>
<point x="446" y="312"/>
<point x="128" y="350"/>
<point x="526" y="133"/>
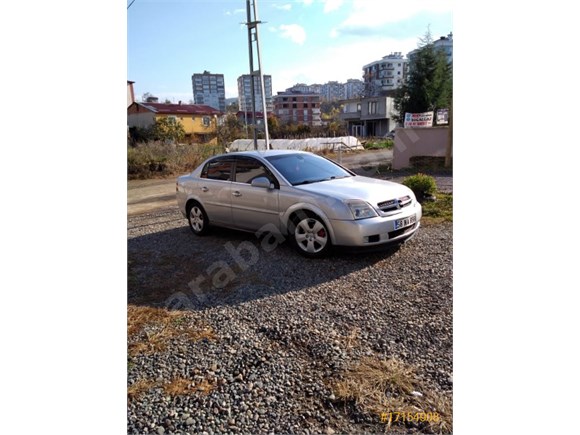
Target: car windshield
<point x="306" y="168"/>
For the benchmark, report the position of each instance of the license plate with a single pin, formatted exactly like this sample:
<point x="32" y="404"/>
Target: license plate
<point x="402" y="223"/>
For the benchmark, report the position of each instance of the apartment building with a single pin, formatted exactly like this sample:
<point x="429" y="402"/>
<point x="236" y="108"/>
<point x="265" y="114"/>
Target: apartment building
<point x="209" y="90"/>
<point x="387" y="74"/>
<point x="353" y="88"/>
<point x="245" y="93"/>
<point x="297" y="107"/>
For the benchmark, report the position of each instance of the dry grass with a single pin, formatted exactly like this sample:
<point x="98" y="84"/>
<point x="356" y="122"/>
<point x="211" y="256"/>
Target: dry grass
<point x="156" y="159"/>
<point x="175" y="387"/>
<point x="138" y="388"/>
<point x="178" y="387"/>
<point x="378" y="386"/>
<point x="184" y="386"/>
<point x="150" y="329"/>
<point x="205" y="387"/>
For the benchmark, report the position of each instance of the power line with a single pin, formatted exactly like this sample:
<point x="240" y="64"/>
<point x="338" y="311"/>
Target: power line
<point x="130" y="4"/>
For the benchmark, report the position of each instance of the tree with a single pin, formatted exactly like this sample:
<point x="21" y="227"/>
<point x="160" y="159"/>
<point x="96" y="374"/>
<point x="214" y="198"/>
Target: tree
<point x="429" y="85"/>
<point x="230" y="129"/>
<point x="331" y="116"/>
<point x="167" y="130"/>
<point x="274" y="127"/>
<point x="233" y="107"/>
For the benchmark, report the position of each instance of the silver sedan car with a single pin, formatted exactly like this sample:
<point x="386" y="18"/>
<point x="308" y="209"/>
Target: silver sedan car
<point x="298" y="195"/>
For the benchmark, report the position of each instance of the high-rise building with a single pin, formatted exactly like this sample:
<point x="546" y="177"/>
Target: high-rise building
<point x="209" y="89"/>
<point x="385" y="75"/>
<point x="444" y="43"/>
<point x="245" y="93"/>
<point x="299" y="108"/>
<point x="332" y="91"/>
<point x="353" y="88"/>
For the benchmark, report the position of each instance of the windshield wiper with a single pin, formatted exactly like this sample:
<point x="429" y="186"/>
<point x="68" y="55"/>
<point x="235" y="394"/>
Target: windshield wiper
<point x="318" y="181"/>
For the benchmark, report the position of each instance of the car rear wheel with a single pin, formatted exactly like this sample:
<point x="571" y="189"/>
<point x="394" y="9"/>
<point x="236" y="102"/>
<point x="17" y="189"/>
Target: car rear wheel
<point x="311" y="237"/>
<point x="198" y="221"/>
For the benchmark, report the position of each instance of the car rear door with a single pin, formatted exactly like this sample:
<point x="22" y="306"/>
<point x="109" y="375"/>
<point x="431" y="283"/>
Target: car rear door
<point x="253" y="207"/>
<point x="215" y="190"/>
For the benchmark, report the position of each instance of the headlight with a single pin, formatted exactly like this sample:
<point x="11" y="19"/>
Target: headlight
<point x="361" y="210"/>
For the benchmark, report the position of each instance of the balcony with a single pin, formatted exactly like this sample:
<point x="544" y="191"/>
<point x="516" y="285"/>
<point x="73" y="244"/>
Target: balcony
<point x="350" y="116"/>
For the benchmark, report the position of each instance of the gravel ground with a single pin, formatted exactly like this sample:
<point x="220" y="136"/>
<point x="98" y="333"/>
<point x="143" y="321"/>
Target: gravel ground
<point x="285" y="327"/>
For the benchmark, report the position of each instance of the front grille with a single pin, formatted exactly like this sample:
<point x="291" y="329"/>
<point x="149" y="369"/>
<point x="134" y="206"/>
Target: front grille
<point x="394" y="204"/>
<point x="401" y="231"/>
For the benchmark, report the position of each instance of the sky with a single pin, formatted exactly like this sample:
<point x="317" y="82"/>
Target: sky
<point x="301" y="41"/>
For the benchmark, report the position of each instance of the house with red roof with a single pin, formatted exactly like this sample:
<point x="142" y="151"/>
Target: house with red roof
<point x="199" y="121"/>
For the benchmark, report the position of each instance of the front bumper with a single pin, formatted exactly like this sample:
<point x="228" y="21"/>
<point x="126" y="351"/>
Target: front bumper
<point x="376" y="231"/>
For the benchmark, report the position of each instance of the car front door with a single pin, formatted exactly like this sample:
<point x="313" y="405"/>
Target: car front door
<point x="253" y="207"/>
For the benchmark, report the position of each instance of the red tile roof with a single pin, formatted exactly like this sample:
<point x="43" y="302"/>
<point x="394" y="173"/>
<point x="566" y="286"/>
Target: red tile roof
<point x="180" y="109"/>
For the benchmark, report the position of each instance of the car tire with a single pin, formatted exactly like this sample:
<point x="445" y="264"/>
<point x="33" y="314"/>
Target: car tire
<point x="197" y="218"/>
<point x="310" y="235"/>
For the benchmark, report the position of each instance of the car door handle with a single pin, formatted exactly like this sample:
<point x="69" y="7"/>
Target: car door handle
<point x="237" y="193"/>
<point x="204" y="189"/>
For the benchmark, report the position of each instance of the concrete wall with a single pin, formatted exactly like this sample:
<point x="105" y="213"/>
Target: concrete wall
<point x="410" y="142"/>
<point x="142" y="119"/>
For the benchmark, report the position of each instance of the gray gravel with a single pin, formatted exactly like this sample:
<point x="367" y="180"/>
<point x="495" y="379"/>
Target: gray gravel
<point x="285" y="326"/>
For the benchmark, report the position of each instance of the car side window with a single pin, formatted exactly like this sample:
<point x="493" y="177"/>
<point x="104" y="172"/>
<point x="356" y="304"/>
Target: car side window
<point x="250" y="169"/>
<point x="218" y="170"/>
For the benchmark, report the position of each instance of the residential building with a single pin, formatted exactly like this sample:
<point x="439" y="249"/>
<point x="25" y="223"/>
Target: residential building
<point x="353" y="88"/>
<point x="332" y="91"/>
<point x="369" y="116"/>
<point x="303" y="88"/>
<point x="444" y="43"/>
<point x="199" y="121"/>
<point x="209" y="90"/>
<point x="385" y="75"/>
<point x="245" y="93"/>
<point x="296" y="107"/>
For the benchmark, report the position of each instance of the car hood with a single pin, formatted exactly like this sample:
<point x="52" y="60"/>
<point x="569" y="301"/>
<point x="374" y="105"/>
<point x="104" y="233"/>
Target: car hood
<point x="358" y="187"/>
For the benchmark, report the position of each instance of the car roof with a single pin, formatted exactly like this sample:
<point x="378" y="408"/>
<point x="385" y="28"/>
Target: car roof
<point x="265" y="153"/>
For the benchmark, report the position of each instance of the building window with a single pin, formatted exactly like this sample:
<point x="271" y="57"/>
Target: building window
<point x="358" y="107"/>
<point x="372" y="106"/>
<point x="206" y="121"/>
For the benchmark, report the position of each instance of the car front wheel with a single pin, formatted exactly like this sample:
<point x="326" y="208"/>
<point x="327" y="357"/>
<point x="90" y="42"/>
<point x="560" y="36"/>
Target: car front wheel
<point x="198" y="221"/>
<point x="311" y="236"/>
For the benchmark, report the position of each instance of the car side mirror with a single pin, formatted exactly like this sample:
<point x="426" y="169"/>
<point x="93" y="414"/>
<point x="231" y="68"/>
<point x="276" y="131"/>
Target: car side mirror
<point x="262" y="182"/>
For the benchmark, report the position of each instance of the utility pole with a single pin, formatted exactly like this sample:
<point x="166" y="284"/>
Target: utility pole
<point x="253" y="36"/>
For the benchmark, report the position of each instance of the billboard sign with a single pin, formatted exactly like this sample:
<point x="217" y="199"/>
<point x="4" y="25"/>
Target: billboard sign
<point x="424" y="119"/>
<point x="442" y="116"/>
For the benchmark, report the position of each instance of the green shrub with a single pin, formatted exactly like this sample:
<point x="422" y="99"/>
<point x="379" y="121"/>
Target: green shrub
<point x="383" y="144"/>
<point x="422" y="185"/>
